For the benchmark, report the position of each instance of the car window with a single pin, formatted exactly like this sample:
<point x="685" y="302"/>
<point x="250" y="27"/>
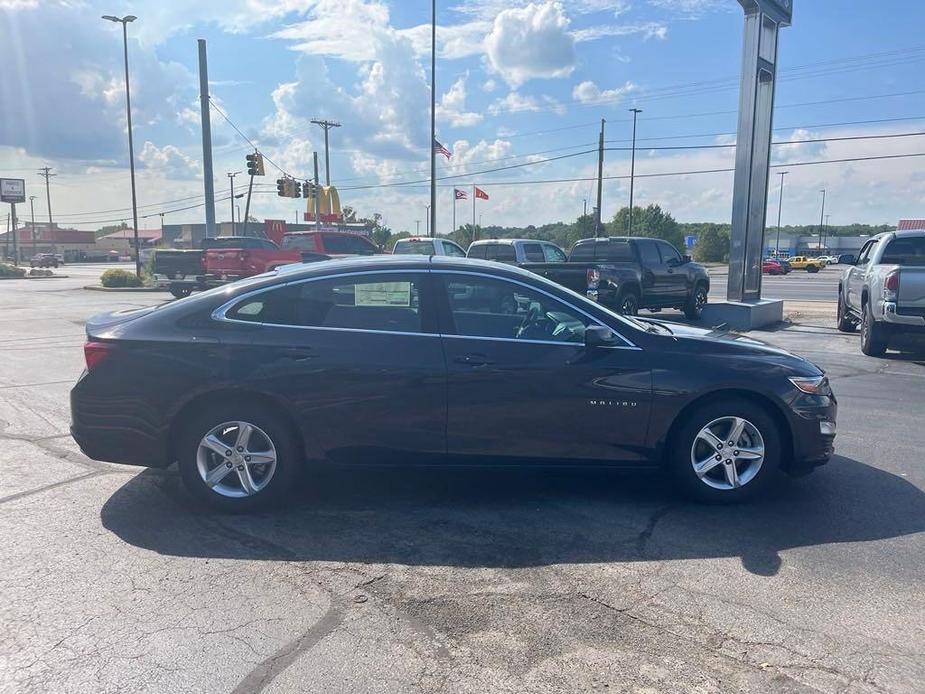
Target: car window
<point x="414" y="248"/>
<point x="336" y="243"/>
<point x="553" y="254"/>
<point x="668" y="252"/>
<point x="452" y="250"/>
<point x="583" y="252"/>
<point x="905" y="251"/>
<point x="493" y="308"/>
<point x="503" y="252"/>
<point x="477" y="251"/>
<point x="387" y="302"/>
<point x="301" y="242"/>
<point x="649" y="253"/>
<point x="615" y="252"/>
<point x="864" y="255"/>
<point x="533" y="253"/>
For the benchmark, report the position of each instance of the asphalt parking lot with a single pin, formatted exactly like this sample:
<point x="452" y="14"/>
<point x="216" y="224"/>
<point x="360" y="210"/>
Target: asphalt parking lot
<point x="454" y="580"/>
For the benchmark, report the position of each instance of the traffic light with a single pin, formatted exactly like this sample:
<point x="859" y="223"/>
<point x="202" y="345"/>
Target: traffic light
<point x="308" y="189"/>
<point x="255" y="164"/>
<point x="295" y="189"/>
<point x="281" y="187"/>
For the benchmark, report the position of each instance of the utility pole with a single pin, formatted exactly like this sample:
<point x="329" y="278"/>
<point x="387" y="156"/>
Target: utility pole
<point x="600" y="181"/>
<point x="44" y="172"/>
<point x="635" y="112"/>
<point x="32" y="210"/>
<point x="15" y="245"/>
<point x="427" y="220"/>
<point x="6" y="239"/>
<point x="317" y="193"/>
<point x="826" y="227"/>
<point x="433" y="121"/>
<point x="780" y="204"/>
<point x="207" y="180"/>
<point x="231" y="178"/>
<point x="417" y="227"/>
<point x="585" y="209"/>
<point x="821" y="217"/>
<point x="326" y="125"/>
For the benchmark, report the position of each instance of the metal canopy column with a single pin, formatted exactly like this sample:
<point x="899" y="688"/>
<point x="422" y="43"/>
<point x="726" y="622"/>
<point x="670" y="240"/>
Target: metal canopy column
<point x="763" y="19"/>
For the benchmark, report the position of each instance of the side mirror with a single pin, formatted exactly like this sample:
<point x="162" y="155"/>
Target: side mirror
<point x="686" y="259"/>
<point x="599" y="336"/>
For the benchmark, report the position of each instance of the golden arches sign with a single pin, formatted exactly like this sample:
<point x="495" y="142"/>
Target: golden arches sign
<point x="328" y="203"/>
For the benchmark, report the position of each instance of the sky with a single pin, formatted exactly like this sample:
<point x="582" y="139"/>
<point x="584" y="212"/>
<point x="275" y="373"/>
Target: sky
<point x="521" y="87"/>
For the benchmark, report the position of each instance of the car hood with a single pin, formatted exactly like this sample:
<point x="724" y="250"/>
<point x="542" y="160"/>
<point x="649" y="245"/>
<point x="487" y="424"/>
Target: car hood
<point x="720" y="341"/>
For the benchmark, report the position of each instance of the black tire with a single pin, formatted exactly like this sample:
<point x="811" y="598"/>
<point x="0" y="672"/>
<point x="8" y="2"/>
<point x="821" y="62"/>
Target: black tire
<point x="812" y="269"/>
<point x="693" y="309"/>
<point x="275" y="430"/>
<point x="874" y="337"/>
<point x="180" y="292"/>
<point x="627" y="303"/>
<point x="845" y="322"/>
<point x="681" y="469"/>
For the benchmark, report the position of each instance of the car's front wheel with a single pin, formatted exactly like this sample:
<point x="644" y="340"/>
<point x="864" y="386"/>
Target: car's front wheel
<point x="725" y="451"/>
<point x="628" y="302"/>
<point x="237" y="457"/>
<point x="874" y="338"/>
<point x="693" y="309"/>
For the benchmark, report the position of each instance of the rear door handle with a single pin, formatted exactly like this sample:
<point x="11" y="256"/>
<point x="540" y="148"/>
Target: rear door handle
<point x="473" y="360"/>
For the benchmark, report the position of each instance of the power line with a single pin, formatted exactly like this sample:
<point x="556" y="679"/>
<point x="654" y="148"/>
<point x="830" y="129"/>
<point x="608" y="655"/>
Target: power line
<point x="784" y="142"/>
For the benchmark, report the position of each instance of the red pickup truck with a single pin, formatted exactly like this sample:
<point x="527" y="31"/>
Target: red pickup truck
<point x="321" y="245"/>
<point x="232" y="258"/>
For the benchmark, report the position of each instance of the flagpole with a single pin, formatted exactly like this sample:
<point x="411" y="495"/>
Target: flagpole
<point x="475" y="233"/>
<point x="433" y="122"/>
<point x="454" y="210"/>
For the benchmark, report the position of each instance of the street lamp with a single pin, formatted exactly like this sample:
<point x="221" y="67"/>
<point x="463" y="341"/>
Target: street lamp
<point x="821" y="218"/>
<point x="32" y="209"/>
<point x="231" y="178"/>
<point x="131" y="147"/>
<point x="780" y="204"/>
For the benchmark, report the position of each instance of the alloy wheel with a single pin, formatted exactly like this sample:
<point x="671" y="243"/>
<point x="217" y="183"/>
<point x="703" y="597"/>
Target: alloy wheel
<point x="727" y="453"/>
<point x="236" y="459"/>
<point x="629" y="305"/>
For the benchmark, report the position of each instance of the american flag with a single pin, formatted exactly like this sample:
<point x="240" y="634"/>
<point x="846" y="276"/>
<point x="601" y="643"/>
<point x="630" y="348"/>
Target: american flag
<point x="440" y="149"/>
<point x="460" y="194"/>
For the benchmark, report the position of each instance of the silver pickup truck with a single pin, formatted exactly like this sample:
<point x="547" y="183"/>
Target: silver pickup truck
<point x="884" y="291"/>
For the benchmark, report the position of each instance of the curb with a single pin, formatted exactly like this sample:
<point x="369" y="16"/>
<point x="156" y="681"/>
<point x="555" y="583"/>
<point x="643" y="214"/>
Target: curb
<point x="101" y="288"/>
<point x="36" y="277"/>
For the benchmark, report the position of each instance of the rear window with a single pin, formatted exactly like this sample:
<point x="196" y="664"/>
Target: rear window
<point x="477" y="251"/>
<point x="905" y="251"/>
<point x="414" y="248"/>
<point x="300" y="242"/>
<point x="615" y="252"/>
<point x="583" y="252"/>
<point x="352" y="245"/>
<point x="503" y="252"/>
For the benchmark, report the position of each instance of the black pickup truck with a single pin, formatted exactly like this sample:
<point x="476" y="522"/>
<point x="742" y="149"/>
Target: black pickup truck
<point x="626" y="274"/>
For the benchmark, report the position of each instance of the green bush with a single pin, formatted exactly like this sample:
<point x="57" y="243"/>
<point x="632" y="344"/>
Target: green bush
<point x="7" y="270"/>
<point x="119" y="278"/>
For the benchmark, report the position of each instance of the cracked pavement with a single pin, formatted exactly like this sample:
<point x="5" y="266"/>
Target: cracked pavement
<point x="453" y="580"/>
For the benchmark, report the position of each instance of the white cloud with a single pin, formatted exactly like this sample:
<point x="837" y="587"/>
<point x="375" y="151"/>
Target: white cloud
<point x="648" y="30"/>
<point x="452" y="107"/>
<point x="588" y="92"/>
<point x="168" y="161"/>
<point x="531" y="42"/>
<point x="489" y="86"/>
<point x="691" y="9"/>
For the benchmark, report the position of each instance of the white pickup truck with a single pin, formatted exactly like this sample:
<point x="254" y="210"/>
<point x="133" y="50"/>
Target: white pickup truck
<point x="884" y="291"/>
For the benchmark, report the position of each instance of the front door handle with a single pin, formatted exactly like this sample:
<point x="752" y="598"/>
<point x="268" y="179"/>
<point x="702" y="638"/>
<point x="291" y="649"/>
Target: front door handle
<point x="473" y="360"/>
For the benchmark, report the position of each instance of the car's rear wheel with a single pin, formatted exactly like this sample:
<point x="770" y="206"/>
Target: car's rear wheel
<point x="179" y="291"/>
<point x="811" y="269"/>
<point x="874" y="339"/>
<point x="237" y="457"/>
<point x="628" y="302"/>
<point x="693" y="309"/>
<point x="726" y="451"/>
<point x="845" y="322"/>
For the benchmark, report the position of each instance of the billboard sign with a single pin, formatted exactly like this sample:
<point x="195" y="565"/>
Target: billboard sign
<point x="12" y="190"/>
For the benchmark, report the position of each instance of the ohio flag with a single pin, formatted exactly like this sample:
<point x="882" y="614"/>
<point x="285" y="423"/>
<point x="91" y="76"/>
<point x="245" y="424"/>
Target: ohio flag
<point x="460" y="194"/>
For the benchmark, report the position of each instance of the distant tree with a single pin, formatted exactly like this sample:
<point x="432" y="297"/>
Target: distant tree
<point x="650" y="221"/>
<point x="350" y="214"/>
<point x="394" y="238"/>
<point x="712" y="243"/>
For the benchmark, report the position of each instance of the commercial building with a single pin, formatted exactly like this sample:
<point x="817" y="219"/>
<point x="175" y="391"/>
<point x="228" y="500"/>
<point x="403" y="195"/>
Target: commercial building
<point x="72" y="244"/>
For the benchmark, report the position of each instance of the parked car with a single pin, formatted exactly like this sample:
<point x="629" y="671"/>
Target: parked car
<point x="44" y="260"/>
<point x="627" y="274"/>
<point x="324" y="245"/>
<point x="802" y="262"/>
<point x="425" y="245"/>
<point x="772" y="267"/>
<point x="516" y="251"/>
<point x="884" y="291"/>
<point x="388" y="360"/>
<point x="785" y="265"/>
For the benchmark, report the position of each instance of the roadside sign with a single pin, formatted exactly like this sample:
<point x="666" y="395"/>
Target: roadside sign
<point x="690" y="241"/>
<point x="12" y="190"/>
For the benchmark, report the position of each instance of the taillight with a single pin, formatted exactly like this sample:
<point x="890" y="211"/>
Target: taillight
<point x="892" y="281"/>
<point x="594" y="277"/>
<point x="95" y="353"/>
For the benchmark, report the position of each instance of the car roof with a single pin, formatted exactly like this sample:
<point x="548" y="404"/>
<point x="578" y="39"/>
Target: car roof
<point x="482" y="242"/>
<point x="419" y="238"/>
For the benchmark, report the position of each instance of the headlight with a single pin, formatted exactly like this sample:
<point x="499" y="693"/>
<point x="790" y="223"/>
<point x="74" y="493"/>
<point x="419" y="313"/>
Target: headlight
<point x="813" y="385"/>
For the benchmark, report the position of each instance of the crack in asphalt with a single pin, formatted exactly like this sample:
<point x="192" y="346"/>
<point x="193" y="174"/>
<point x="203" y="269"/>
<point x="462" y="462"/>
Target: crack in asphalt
<point x="265" y="672"/>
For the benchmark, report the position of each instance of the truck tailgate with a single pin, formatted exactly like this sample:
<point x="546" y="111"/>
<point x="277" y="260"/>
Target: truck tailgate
<point x="911" y="298"/>
<point x="574" y="276"/>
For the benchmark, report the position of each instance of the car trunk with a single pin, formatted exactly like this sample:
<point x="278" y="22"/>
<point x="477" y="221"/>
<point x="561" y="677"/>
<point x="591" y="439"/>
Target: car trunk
<point x="911" y="297"/>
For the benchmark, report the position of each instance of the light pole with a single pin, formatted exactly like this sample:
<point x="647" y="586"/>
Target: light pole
<point x="32" y="210"/>
<point x="239" y="211"/>
<point x="131" y="147"/>
<point x="326" y="125"/>
<point x="821" y="218"/>
<point x="780" y="204"/>
<point x="428" y="220"/>
<point x="635" y="112"/>
<point x="231" y="176"/>
<point x="417" y="227"/>
<point x="826" y="227"/>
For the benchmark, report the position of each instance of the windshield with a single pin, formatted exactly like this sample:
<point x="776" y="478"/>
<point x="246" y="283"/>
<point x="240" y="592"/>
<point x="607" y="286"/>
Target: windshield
<point x="905" y="251"/>
<point x="414" y="248"/>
